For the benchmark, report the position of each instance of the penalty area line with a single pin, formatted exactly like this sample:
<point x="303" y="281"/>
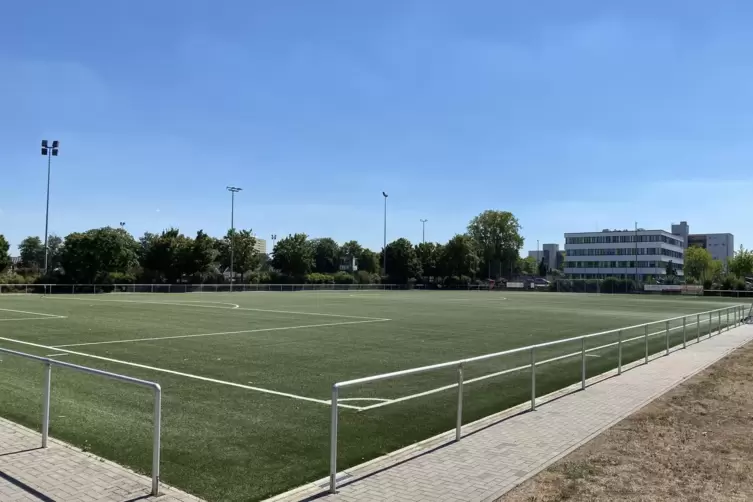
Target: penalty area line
<point x="31" y="313"/>
<point x="182" y="374"/>
<point x="259" y="330"/>
<point x="34" y="318"/>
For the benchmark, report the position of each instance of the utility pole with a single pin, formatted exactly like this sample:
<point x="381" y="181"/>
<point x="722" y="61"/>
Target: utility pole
<point x="423" y="230"/>
<point x="636" y="254"/>
<point x="49" y="151"/>
<point x="233" y="191"/>
<point x="384" y="248"/>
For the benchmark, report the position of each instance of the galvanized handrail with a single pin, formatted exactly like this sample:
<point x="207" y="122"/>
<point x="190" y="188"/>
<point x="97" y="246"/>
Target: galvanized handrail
<point x="49" y="363"/>
<point x="738" y="311"/>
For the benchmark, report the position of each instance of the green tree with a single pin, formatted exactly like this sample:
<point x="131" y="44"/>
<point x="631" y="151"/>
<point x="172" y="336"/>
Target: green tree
<point x="352" y="248"/>
<point x="91" y="256"/>
<point x="430" y="257"/>
<point x="742" y="263"/>
<point x="698" y="263"/>
<point x="497" y="234"/>
<point x="402" y="263"/>
<point x="460" y="256"/>
<point x="167" y="257"/>
<point x="670" y="269"/>
<point x="543" y="269"/>
<point x="4" y="256"/>
<point x="31" y="250"/>
<point x="203" y="255"/>
<point x="54" y="249"/>
<point x="326" y="255"/>
<point x="528" y="265"/>
<point x="368" y="261"/>
<point x="245" y="256"/>
<point x="294" y="256"/>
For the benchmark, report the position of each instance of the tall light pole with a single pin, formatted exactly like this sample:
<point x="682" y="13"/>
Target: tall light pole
<point x="49" y="151"/>
<point x="384" y="248"/>
<point x="232" y="191"/>
<point x="122" y="224"/>
<point x="423" y="230"/>
<point x="274" y="238"/>
<point x="538" y="257"/>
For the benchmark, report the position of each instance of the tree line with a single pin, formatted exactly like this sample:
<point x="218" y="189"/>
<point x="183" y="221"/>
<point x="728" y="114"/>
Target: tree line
<point x="701" y="268"/>
<point x="489" y="248"/>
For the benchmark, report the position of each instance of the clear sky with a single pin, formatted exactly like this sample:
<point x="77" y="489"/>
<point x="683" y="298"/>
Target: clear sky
<point x="574" y="115"/>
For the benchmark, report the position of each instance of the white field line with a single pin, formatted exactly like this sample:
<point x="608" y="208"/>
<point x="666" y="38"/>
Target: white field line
<point x="34" y="318"/>
<point x="56" y="355"/>
<point x="519" y="368"/>
<point x="260" y="330"/>
<point x="189" y="304"/>
<point x="180" y="373"/>
<point x="363" y="399"/>
<point x="31" y="313"/>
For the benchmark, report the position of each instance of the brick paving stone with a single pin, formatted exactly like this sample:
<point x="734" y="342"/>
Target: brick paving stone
<point x="63" y="473"/>
<point x="499" y="456"/>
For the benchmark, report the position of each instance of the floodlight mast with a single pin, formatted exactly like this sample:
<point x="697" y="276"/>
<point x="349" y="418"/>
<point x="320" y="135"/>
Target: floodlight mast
<point x="233" y="191"/>
<point x="50" y="150"/>
<point x="384" y="248"/>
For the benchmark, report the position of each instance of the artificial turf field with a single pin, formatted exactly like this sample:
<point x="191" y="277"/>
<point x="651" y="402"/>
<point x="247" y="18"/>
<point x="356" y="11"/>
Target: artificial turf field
<point x="246" y="377"/>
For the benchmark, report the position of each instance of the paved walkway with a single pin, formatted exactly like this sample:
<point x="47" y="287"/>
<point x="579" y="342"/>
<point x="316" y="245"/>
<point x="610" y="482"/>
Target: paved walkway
<point x="62" y="473"/>
<point x="496" y="458"/>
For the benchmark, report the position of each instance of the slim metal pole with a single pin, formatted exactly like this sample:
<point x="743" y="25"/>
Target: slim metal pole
<point x="583" y="364"/>
<point x="666" y="332"/>
<point x="718" y="322"/>
<point x="157" y="440"/>
<point x="619" y="352"/>
<point x="698" y="328"/>
<point x="533" y="380"/>
<point x="645" y="336"/>
<point x="684" y="340"/>
<point x="384" y="247"/>
<point x="423" y="230"/>
<point x="47" y="211"/>
<point x="727" y="319"/>
<point x="232" y="237"/>
<point x="459" y="422"/>
<point x="46" y="404"/>
<point x="711" y="323"/>
<point x="333" y="443"/>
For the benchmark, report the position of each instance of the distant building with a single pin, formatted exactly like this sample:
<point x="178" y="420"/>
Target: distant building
<point x="348" y="263"/>
<point x="549" y="252"/>
<point x="721" y="246"/>
<point x="628" y="254"/>
<point x="261" y="245"/>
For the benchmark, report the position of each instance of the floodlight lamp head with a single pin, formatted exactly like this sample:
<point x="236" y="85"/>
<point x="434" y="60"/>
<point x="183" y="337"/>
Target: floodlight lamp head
<point x="56" y="144"/>
<point x="44" y="143"/>
<point x="385" y="194"/>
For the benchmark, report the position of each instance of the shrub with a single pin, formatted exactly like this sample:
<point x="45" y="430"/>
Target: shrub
<point x="344" y="278"/>
<point x="317" y="278"/>
<point x="364" y="277"/>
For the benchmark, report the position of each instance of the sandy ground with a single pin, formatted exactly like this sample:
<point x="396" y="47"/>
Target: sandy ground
<point x="695" y="443"/>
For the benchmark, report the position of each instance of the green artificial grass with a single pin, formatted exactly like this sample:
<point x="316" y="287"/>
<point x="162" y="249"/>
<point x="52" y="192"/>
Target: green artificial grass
<point x="225" y="443"/>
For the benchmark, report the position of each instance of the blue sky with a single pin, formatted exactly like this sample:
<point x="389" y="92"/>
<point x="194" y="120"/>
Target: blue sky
<point x="575" y="116"/>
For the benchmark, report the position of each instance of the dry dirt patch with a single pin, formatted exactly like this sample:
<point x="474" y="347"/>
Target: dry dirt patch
<point x="695" y="443"/>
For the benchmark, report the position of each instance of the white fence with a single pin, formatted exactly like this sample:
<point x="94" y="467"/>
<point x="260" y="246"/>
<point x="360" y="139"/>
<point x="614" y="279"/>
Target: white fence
<point x="157" y="424"/>
<point x="737" y="313"/>
<point x="76" y="289"/>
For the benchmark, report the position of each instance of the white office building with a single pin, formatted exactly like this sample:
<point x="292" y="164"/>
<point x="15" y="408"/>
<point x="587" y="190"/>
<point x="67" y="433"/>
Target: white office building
<point x="721" y="246"/>
<point x="627" y="254"/>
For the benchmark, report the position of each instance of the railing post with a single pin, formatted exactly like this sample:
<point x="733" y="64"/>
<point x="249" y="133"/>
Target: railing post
<point x="698" y="328"/>
<point x="533" y="380"/>
<point x="719" y="322"/>
<point x="684" y="339"/>
<point x="459" y="424"/>
<point x="619" y="352"/>
<point x="711" y="323"/>
<point x="583" y="364"/>
<point x="46" y="403"/>
<point x="157" y="444"/>
<point x="666" y="333"/>
<point x="333" y="443"/>
<point x="727" y="319"/>
<point x="645" y="336"/>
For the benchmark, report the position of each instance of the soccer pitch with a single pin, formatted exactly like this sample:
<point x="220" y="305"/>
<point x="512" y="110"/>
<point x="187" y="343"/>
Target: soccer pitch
<point x="246" y="377"/>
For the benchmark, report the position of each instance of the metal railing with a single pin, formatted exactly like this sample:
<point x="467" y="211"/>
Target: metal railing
<point x="737" y="312"/>
<point x="730" y="293"/>
<point x="49" y="363"/>
<point x="186" y="288"/>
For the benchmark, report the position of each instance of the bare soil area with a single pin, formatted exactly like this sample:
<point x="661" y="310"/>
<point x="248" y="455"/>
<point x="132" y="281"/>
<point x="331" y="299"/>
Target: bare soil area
<point x="695" y="443"/>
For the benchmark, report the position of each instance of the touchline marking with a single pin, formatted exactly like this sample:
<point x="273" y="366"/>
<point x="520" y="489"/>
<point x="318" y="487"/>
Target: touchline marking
<point x="31" y="313"/>
<point x="56" y="355"/>
<point x="186" y="375"/>
<point x="260" y="330"/>
<point x="34" y="318"/>
<point x="188" y="304"/>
